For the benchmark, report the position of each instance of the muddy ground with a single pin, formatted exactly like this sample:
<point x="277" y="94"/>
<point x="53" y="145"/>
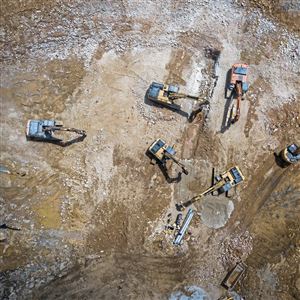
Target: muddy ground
<point x="92" y="215"/>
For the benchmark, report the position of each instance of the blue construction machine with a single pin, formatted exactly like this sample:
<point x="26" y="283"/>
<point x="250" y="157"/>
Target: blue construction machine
<point x="43" y="131"/>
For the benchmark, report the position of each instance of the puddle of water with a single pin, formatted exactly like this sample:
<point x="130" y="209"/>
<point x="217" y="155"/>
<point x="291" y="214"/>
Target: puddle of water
<point x="4" y="170"/>
<point x="190" y="293"/>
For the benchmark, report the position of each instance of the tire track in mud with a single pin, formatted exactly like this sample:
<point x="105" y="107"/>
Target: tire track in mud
<point x="263" y="183"/>
<point x="120" y="276"/>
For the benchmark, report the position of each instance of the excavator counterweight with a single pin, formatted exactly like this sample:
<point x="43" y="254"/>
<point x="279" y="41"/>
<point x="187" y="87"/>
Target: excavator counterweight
<point x="162" y="152"/>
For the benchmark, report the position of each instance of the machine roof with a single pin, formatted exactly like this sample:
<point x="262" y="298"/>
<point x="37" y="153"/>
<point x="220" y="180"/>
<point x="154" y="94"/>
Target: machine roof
<point x="240" y="70"/>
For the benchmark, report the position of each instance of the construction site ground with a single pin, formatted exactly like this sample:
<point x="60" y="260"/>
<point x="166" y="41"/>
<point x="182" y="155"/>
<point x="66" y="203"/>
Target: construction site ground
<point x="92" y="215"/>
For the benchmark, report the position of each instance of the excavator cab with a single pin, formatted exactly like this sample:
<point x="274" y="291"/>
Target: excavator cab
<point x="159" y="149"/>
<point x="162" y="152"/>
<point x="231" y="178"/>
<point x="43" y="131"/>
<point x="239" y="74"/>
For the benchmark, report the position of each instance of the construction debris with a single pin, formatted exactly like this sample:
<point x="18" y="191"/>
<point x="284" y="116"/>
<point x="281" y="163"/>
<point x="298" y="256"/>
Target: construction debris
<point x="4" y="226"/>
<point x="234" y="276"/>
<point x="162" y="152"/>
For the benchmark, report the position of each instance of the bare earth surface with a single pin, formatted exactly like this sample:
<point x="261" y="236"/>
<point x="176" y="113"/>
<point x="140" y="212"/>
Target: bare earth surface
<point x="92" y="215"/>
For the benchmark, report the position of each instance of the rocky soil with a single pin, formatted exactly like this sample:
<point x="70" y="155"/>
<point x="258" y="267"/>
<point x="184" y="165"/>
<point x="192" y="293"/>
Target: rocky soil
<point x="95" y="217"/>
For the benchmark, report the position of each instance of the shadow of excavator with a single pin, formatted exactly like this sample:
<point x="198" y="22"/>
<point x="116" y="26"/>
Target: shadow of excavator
<point x="175" y="109"/>
<point x="164" y="170"/>
<point x="228" y="108"/>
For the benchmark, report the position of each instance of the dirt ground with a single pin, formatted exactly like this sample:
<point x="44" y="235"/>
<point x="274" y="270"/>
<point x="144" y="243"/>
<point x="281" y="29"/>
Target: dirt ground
<point x="93" y="215"/>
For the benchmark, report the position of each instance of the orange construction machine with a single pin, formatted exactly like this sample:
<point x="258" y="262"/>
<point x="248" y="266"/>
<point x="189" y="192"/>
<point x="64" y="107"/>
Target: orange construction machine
<point x="238" y="86"/>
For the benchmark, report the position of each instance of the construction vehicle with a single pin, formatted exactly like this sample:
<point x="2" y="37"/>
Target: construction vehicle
<point x="291" y="154"/>
<point x="43" y="130"/>
<point x="233" y="277"/>
<point x="162" y="152"/>
<point x="224" y="182"/>
<point x="165" y="94"/>
<point x="238" y="86"/>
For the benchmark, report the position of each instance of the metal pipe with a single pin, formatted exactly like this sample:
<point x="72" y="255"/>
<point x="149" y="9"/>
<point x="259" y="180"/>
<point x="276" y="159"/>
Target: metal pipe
<point x="186" y="223"/>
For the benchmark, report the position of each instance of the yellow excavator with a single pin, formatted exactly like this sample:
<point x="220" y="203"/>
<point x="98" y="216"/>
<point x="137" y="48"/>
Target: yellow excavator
<point x="165" y="94"/>
<point x="162" y="152"/>
<point x="224" y="182"/>
<point x="291" y="154"/>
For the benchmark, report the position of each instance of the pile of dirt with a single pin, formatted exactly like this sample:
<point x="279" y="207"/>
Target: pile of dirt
<point x="216" y="211"/>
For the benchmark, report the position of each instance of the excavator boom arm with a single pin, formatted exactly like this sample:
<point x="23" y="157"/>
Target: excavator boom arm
<point x="173" y="96"/>
<point x="238" y="100"/>
<point x="184" y="170"/>
<point x="200" y="196"/>
<point x="58" y="128"/>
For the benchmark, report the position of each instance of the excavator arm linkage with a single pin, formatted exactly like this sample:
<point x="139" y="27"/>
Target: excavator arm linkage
<point x="174" y="96"/>
<point x="58" y="128"/>
<point x="184" y="170"/>
<point x="213" y="188"/>
<point x="239" y="95"/>
<point x="81" y="133"/>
